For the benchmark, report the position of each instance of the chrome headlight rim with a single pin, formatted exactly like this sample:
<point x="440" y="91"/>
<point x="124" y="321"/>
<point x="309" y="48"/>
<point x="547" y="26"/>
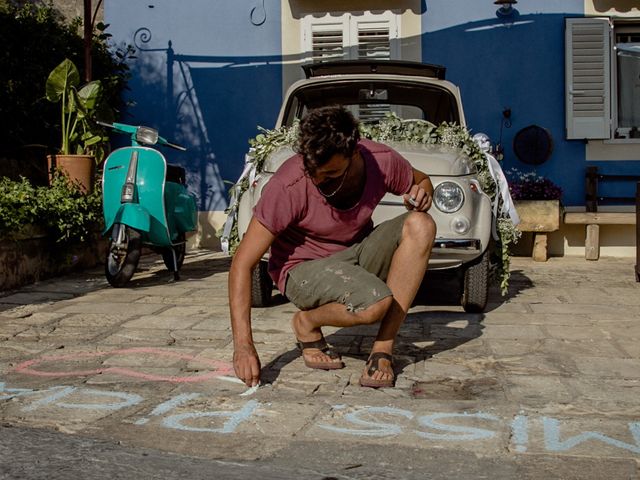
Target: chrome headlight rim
<point x="441" y="200"/>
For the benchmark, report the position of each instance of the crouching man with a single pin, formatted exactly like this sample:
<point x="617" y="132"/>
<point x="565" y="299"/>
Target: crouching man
<point x="326" y="256"/>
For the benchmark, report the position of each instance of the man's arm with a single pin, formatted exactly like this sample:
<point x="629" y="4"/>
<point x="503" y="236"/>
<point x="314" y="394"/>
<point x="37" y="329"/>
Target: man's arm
<point x="421" y="192"/>
<point x="255" y="242"/>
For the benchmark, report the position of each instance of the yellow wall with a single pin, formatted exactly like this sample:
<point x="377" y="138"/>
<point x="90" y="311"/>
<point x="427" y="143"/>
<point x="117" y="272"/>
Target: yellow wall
<point x="294" y="10"/>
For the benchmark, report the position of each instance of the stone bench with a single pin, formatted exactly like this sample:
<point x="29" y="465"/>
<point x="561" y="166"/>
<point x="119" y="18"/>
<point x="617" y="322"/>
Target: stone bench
<point x="540" y="217"/>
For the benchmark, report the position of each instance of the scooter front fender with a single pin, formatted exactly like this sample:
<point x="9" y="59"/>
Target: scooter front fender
<point x="133" y="215"/>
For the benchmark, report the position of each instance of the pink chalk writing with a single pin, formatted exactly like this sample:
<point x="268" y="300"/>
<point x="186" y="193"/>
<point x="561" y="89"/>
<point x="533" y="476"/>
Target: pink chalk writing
<point x="215" y="368"/>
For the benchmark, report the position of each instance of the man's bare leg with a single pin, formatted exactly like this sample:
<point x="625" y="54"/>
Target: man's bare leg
<point x="408" y="267"/>
<point x="407" y="270"/>
<point x="307" y="324"/>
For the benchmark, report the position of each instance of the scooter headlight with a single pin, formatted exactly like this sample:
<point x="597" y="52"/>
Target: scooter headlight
<point x="146" y="136"/>
<point x="448" y="197"/>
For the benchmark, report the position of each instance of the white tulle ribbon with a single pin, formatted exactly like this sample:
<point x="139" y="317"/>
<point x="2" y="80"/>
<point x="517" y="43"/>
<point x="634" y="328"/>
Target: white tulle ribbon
<point x="234" y="201"/>
<point x="502" y="186"/>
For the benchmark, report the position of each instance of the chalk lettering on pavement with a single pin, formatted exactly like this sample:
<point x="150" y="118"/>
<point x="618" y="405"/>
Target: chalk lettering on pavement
<point x="365" y="421"/>
<point x="520" y="433"/>
<point x="554" y="444"/>
<point x="235" y="418"/>
<point x="217" y="368"/>
<point x="373" y="428"/>
<point x="169" y="405"/>
<point x="125" y="399"/>
<point x="454" y="432"/>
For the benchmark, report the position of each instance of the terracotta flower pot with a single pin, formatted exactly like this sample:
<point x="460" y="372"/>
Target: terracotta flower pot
<point x="79" y="168"/>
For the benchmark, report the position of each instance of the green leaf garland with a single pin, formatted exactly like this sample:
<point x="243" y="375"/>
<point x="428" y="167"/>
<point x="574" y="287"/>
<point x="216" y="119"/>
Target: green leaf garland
<point x="394" y="129"/>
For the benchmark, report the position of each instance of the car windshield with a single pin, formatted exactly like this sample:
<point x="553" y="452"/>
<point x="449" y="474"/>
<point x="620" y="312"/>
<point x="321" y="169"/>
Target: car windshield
<point x="372" y="100"/>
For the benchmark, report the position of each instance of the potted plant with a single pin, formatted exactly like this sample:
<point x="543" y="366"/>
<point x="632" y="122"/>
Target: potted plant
<point x="81" y="137"/>
<point x="537" y="201"/>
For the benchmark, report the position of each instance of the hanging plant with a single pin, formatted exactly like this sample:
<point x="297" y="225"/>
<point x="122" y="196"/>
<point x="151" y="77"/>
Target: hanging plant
<point x="390" y="129"/>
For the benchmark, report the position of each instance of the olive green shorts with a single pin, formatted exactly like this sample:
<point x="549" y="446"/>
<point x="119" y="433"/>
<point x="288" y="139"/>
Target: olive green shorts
<point x="354" y="277"/>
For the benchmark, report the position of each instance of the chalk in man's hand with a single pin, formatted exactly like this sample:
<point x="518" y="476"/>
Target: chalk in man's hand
<point x="413" y="202"/>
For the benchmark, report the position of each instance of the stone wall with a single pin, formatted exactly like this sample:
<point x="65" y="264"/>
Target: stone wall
<point x="34" y="256"/>
<point x="75" y="8"/>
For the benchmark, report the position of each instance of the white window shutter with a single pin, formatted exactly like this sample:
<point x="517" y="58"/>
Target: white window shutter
<point x="374" y="36"/>
<point x="588" y="78"/>
<point x="325" y="38"/>
<point x="337" y="36"/>
<point x="373" y="40"/>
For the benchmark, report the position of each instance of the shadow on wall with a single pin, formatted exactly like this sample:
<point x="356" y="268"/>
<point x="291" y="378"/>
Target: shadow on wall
<point x="617" y="5"/>
<point x="210" y="104"/>
<point x="498" y="65"/>
<point x="213" y="104"/>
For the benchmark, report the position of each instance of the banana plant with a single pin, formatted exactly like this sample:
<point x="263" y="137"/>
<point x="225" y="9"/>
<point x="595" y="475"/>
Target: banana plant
<point x="79" y="108"/>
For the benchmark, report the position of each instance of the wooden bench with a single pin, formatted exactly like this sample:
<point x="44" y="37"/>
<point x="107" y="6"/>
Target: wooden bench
<point x="593" y="218"/>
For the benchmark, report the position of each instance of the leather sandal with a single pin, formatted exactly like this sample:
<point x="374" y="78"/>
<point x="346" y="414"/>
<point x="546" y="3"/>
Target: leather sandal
<point x="374" y="360"/>
<point x="325" y="348"/>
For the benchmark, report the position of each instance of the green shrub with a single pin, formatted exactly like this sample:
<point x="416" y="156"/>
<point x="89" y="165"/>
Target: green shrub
<point x="68" y="215"/>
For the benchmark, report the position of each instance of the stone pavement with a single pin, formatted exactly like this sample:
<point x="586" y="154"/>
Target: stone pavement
<point x="544" y="384"/>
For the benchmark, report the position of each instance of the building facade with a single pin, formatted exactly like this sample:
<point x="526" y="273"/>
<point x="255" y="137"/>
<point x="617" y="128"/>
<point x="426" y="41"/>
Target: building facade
<point x="209" y="73"/>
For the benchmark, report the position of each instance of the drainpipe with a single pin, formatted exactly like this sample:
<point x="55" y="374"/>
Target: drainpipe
<point x="88" y="33"/>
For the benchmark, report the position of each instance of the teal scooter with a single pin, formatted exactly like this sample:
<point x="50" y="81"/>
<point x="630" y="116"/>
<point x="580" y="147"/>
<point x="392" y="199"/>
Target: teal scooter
<point x="145" y="203"/>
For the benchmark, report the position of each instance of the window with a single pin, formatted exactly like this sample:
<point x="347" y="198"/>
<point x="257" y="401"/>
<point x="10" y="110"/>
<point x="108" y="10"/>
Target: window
<point x="602" y="79"/>
<point x="346" y="36"/>
<point x="627" y="48"/>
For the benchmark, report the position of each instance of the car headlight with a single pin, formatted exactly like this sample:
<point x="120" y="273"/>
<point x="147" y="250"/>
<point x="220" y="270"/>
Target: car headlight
<point x="448" y="197"/>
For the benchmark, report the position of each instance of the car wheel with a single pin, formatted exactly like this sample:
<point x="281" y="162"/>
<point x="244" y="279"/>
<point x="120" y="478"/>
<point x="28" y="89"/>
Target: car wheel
<point x="475" y="289"/>
<point x="261" y="286"/>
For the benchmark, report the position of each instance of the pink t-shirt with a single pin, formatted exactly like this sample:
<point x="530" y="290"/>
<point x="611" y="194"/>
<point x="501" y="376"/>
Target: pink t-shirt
<point x="306" y="226"/>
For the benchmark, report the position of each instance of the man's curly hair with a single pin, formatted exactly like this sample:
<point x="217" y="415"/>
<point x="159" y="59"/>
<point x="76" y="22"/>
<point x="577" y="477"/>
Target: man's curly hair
<point x="324" y="132"/>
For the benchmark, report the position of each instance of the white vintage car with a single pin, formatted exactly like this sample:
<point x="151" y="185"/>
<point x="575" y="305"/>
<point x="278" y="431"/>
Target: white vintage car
<point x="374" y="90"/>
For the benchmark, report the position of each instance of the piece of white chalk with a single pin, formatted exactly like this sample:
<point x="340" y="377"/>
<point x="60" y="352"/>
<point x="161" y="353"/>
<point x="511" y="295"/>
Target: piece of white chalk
<point x="250" y="391"/>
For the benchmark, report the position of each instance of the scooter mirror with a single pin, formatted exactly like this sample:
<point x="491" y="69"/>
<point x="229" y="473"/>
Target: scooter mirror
<point x="146" y="136"/>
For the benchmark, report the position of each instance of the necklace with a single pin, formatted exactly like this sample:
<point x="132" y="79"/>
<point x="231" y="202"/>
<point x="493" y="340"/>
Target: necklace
<point x="344" y="176"/>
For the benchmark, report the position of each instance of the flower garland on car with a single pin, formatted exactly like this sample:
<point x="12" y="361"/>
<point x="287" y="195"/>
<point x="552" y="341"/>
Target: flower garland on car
<point x="389" y="129"/>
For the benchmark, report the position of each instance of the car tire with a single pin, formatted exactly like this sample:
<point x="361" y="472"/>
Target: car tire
<point x="261" y="286"/>
<point x="475" y="287"/>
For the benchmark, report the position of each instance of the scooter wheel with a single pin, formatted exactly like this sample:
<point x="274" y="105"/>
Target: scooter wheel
<point x="122" y="258"/>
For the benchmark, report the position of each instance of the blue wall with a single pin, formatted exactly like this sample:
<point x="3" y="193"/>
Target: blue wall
<point x="235" y="82"/>
<point x="512" y="62"/>
<point x="226" y="77"/>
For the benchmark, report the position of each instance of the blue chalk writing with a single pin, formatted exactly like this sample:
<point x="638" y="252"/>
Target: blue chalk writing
<point x="169" y="405"/>
<point x="375" y="428"/>
<point x="553" y="442"/>
<point x="128" y="400"/>
<point x="235" y="419"/>
<point x="461" y="432"/>
<point x="520" y="433"/>
<point x="60" y="392"/>
<point x="14" y="392"/>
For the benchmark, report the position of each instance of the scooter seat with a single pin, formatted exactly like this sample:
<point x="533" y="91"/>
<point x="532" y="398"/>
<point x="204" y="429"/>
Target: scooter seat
<point x="176" y="174"/>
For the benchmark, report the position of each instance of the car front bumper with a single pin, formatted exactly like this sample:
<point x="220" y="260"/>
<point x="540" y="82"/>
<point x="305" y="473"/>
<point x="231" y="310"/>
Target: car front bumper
<point x="469" y="245"/>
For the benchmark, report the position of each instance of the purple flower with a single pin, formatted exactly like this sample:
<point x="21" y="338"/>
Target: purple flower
<point x="531" y="186"/>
